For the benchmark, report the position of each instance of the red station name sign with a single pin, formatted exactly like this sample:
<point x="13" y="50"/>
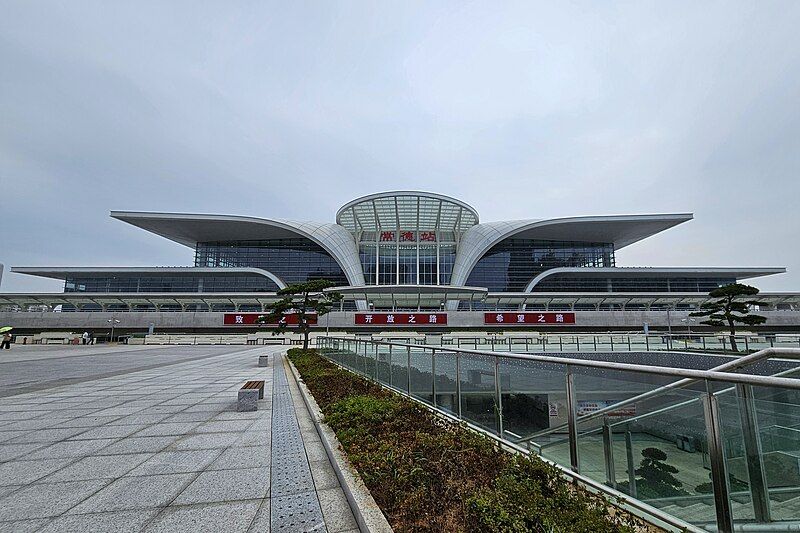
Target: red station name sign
<point x="249" y="319"/>
<point x="401" y="319"/>
<point x="524" y="318"/>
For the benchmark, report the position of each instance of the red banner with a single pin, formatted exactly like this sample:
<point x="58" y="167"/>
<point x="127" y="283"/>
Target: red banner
<point x="401" y="319"/>
<point x="524" y="318"/>
<point x="249" y="319"/>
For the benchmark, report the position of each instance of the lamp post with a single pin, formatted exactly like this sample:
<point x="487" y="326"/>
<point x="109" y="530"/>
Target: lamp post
<point x="113" y="322"/>
<point x="688" y="321"/>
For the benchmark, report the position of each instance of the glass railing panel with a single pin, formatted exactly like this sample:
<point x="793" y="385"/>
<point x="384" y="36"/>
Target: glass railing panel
<point x="531" y="392"/>
<point x="569" y="343"/>
<point x="654" y="448"/>
<point x="399" y="357"/>
<point x="445" y="382"/>
<point x="421" y="375"/>
<point x="383" y="366"/>
<point x="478" y="404"/>
<point x="597" y="390"/>
<point x="732" y="431"/>
<point x="777" y="413"/>
<point x="667" y="453"/>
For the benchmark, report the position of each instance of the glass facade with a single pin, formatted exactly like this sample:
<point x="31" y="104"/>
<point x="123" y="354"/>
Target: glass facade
<point x="563" y="283"/>
<point x="511" y="264"/>
<point x="292" y="260"/>
<point x="170" y="283"/>
<point x="407" y="257"/>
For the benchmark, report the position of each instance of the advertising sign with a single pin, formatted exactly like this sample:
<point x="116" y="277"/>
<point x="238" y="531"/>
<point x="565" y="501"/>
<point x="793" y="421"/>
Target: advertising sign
<point x="400" y="319"/>
<point x="586" y="407"/>
<point x="524" y="317"/>
<point x="249" y="319"/>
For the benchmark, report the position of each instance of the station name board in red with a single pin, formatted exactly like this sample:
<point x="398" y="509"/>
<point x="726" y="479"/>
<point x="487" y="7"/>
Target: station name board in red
<point x="524" y="318"/>
<point x="249" y="319"/>
<point x="401" y="319"/>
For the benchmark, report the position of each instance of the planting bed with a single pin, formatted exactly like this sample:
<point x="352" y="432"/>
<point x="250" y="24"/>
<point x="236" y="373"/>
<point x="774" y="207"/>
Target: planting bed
<point x="428" y="474"/>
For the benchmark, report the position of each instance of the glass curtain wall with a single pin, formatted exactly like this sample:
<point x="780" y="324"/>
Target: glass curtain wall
<point x="292" y="260"/>
<point x="411" y="258"/>
<point x="558" y="283"/>
<point x="511" y="264"/>
<point x="164" y="283"/>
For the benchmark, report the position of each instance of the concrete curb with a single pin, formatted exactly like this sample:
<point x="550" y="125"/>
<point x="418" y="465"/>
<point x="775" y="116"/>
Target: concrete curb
<point x="369" y="516"/>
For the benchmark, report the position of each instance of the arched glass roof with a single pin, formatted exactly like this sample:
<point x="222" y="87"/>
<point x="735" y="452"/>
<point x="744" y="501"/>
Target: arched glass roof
<point x="406" y="210"/>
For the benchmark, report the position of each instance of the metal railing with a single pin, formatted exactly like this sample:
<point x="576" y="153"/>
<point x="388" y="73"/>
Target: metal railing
<point x="619" y="342"/>
<point x="556" y="401"/>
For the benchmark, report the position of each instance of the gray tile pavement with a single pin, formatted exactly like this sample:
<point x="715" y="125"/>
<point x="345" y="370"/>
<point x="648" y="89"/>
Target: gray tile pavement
<point x="151" y="441"/>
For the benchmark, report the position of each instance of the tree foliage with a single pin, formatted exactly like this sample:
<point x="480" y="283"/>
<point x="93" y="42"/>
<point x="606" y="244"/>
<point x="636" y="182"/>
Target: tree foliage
<point x="656" y="476"/>
<point x="304" y="300"/>
<point x="731" y="305"/>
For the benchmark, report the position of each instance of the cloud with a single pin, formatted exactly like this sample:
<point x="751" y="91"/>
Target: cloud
<point x="523" y="110"/>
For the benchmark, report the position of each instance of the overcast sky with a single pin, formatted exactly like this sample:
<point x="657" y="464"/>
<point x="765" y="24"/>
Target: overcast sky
<point x="290" y="109"/>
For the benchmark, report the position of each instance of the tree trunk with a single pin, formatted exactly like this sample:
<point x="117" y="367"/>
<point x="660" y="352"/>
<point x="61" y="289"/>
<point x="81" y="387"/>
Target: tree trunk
<point x="733" y="336"/>
<point x="305" y="339"/>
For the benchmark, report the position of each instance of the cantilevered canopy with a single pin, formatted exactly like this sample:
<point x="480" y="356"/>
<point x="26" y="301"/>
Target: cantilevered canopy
<point x="655" y="272"/>
<point x="65" y="272"/>
<point x="189" y="229"/>
<point x="409" y="296"/>
<point x="410" y="210"/>
<point x="619" y="230"/>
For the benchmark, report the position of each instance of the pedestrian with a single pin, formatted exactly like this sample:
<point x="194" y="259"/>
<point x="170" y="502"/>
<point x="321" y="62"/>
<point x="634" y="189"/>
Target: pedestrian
<point x="91" y="337"/>
<point x="6" y="341"/>
<point x="85" y="337"/>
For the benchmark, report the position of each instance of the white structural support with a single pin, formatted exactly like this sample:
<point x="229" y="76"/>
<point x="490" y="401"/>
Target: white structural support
<point x="620" y="230"/>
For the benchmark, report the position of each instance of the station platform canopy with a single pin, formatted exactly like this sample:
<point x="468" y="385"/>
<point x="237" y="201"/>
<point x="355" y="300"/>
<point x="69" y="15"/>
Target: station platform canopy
<point x="394" y="297"/>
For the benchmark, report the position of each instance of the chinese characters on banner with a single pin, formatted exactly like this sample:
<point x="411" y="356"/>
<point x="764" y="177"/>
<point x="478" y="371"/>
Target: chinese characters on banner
<point x="522" y="318"/>
<point x="249" y="319"/>
<point x="401" y="319"/>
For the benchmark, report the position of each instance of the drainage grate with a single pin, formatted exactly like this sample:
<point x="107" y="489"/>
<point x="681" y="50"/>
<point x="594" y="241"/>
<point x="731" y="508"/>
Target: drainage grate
<point x="297" y="512"/>
<point x="294" y="506"/>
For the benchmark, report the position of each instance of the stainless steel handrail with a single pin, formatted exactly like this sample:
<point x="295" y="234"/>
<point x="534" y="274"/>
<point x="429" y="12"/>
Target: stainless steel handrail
<point x="715" y="374"/>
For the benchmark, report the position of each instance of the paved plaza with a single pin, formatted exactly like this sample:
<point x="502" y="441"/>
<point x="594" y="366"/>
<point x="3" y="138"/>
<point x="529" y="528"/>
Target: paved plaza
<point x="122" y="439"/>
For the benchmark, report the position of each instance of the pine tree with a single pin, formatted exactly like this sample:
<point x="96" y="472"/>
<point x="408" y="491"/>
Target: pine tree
<point x="303" y="300"/>
<point x="728" y="308"/>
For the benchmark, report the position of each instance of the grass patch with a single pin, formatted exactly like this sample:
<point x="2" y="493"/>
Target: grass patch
<point x="428" y="474"/>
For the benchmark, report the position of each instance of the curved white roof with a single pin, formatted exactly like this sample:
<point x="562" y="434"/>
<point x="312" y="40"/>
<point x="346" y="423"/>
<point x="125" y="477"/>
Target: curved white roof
<point x="65" y="272"/>
<point x="656" y="272"/>
<point x="621" y="230"/>
<point x="189" y="229"/>
<point x="411" y="210"/>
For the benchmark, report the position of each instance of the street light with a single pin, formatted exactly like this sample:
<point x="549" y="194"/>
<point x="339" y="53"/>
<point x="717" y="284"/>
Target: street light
<point x="113" y="322"/>
<point x="689" y="321"/>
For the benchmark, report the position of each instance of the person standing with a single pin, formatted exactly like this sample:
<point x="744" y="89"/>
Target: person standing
<point x="6" y="341"/>
<point x="85" y="337"/>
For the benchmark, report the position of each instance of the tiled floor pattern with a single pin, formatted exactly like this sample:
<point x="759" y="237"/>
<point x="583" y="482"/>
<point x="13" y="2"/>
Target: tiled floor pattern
<point x="164" y="449"/>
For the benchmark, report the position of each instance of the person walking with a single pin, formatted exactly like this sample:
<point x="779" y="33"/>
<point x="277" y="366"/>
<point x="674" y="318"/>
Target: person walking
<point x="85" y="337"/>
<point x="6" y="341"/>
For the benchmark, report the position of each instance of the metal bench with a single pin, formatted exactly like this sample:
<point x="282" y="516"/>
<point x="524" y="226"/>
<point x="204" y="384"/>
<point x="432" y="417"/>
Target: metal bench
<point x="249" y="394"/>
